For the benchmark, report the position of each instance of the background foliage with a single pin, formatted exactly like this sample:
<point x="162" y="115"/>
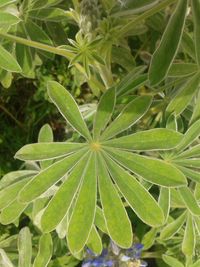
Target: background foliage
<point x="125" y="158"/>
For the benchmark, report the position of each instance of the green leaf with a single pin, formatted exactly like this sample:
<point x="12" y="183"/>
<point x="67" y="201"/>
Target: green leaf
<point x="49" y="14"/>
<point x="45" y="251"/>
<point x="191" y="163"/>
<point x="6" y="2"/>
<point x="153" y="170"/>
<point x="154" y="139"/>
<point x="129" y="116"/>
<point x="12" y="212"/>
<point x="62" y="227"/>
<point x="172" y="122"/>
<point x="196" y="264"/>
<point x="172" y="261"/>
<point x="149" y="238"/>
<point x="8" y="19"/>
<point x="7" y="61"/>
<point x="190" y="136"/>
<point x="46" y="151"/>
<point x="192" y="152"/>
<point x="164" y="201"/>
<point x="140" y="200"/>
<point x="188" y="244"/>
<point x="48" y="177"/>
<point x="182" y="69"/>
<point x="45" y="135"/>
<point x="68" y="108"/>
<point x="187" y="44"/>
<point x="100" y="220"/>
<point x="196" y="109"/>
<point x="4" y="260"/>
<point x="131" y="81"/>
<point x="63" y="198"/>
<point x="172" y="228"/>
<point x="104" y="112"/>
<point x="182" y="99"/>
<point x="161" y="60"/>
<point x="196" y="18"/>
<point x="94" y="241"/>
<point x="37" y="34"/>
<point x="84" y="210"/>
<point x="189" y="200"/>
<point x="15" y="176"/>
<point x="176" y="200"/>
<point x="24" y="247"/>
<point x="193" y="175"/>
<point x="117" y="221"/>
<point x="9" y="193"/>
<point x="24" y="57"/>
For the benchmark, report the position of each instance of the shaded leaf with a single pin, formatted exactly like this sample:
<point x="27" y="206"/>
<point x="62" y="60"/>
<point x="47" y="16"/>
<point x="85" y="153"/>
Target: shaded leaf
<point x="45" y="251"/>
<point x="161" y="60"/>
<point x="7" y="61"/>
<point x="188" y="244"/>
<point x="172" y="228"/>
<point x="182" y="99"/>
<point x="189" y="200"/>
<point x="94" y="241"/>
<point x="24" y="247"/>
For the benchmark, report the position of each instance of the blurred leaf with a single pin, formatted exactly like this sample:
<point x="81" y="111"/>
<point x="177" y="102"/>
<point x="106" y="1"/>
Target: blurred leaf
<point x="7" y="61"/>
<point x="161" y="60"/>
<point x="45" y="251"/>
<point x="24" y="247"/>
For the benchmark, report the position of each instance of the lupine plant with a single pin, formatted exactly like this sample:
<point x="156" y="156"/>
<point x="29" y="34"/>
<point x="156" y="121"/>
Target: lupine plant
<point x="128" y="169"/>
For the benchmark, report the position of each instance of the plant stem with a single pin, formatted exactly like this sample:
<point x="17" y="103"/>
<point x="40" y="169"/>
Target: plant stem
<point x="144" y="16"/>
<point x="44" y="47"/>
<point x="155" y="255"/>
<point x="11" y="116"/>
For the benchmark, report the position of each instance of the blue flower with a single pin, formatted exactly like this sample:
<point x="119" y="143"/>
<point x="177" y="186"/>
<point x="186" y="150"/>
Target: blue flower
<point x="97" y="261"/>
<point x="135" y="251"/>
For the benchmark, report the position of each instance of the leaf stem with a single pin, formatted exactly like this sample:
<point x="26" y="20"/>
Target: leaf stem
<point x="44" y="47"/>
<point x="11" y="116"/>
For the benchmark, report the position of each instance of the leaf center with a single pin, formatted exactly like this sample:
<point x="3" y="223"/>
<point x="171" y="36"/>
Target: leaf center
<point x="95" y="146"/>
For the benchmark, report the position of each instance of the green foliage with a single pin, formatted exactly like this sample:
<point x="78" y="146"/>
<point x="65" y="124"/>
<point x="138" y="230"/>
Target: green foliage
<point x="124" y="76"/>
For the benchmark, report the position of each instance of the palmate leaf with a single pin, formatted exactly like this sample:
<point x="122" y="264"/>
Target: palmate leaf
<point x="77" y="167"/>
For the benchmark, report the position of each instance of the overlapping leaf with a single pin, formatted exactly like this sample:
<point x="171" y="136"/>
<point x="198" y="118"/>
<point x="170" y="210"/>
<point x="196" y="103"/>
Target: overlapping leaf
<point x="77" y="167"/>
